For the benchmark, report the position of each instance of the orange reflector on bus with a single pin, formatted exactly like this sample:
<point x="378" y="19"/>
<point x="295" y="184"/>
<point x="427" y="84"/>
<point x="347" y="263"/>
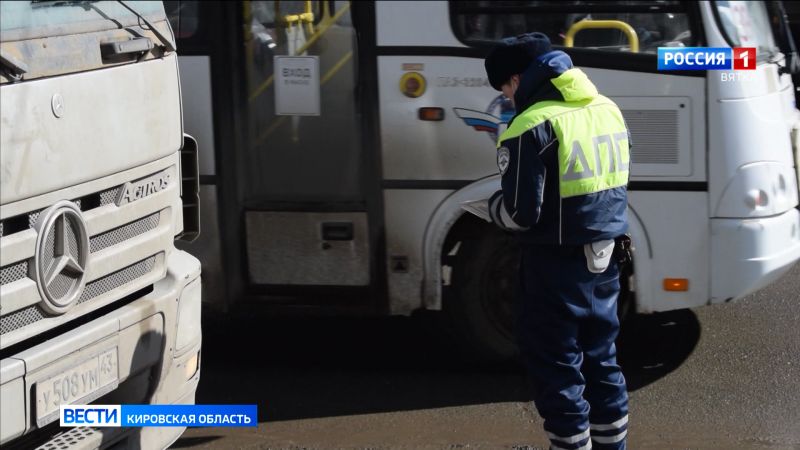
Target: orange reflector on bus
<point x="676" y="284"/>
<point x="431" y="113"/>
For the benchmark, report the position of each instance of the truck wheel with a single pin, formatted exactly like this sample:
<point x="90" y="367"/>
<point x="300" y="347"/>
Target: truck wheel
<point x="481" y="304"/>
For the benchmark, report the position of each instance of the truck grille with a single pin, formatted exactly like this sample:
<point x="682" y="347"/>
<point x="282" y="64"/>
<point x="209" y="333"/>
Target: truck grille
<point x="96" y="288"/>
<point x="123" y="233"/>
<point x="14" y="272"/>
<point x="109" y="195"/>
<point x="21" y="318"/>
<point x="119" y="278"/>
<point x="15" y="224"/>
<point x="125" y="274"/>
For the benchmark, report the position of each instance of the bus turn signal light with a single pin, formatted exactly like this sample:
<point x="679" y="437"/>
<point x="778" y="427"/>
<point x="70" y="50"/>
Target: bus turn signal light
<point x="431" y="113"/>
<point x="676" y="284"/>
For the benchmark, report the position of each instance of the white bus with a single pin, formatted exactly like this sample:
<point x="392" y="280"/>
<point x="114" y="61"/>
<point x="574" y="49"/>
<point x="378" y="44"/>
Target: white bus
<point x="356" y="206"/>
<point x="97" y="180"/>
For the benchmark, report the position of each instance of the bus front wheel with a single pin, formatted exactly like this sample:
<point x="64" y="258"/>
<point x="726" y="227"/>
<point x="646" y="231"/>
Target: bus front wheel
<point x="482" y="302"/>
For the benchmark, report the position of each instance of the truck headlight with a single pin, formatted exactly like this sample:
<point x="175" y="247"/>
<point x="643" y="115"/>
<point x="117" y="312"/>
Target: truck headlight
<point x="189" y="307"/>
<point x="191" y="366"/>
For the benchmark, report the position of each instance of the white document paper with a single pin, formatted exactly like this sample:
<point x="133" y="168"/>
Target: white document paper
<point x="478" y="207"/>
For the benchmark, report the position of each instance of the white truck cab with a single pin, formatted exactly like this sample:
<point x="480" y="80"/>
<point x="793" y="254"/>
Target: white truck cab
<point x="97" y="180"/>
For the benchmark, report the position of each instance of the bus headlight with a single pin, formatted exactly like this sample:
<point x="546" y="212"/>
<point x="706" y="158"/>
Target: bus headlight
<point x="758" y="190"/>
<point x="757" y="198"/>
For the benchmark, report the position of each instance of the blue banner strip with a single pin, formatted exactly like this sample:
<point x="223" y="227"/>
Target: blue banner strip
<point x="189" y="415"/>
<point x="695" y="58"/>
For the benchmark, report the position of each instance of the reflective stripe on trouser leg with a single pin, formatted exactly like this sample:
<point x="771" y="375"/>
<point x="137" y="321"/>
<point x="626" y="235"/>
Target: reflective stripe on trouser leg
<point x="580" y="441"/>
<point x="586" y="446"/>
<point x="610" y="435"/>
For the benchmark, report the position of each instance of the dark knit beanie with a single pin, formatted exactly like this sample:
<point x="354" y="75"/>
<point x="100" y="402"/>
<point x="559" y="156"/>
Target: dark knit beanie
<point x="513" y="55"/>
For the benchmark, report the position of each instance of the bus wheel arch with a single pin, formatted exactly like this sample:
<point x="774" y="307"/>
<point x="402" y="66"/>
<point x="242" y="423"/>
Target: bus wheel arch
<point x="637" y="278"/>
<point x="448" y="220"/>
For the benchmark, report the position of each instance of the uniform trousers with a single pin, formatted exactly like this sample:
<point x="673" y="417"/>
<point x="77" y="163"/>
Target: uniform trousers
<point x="567" y="327"/>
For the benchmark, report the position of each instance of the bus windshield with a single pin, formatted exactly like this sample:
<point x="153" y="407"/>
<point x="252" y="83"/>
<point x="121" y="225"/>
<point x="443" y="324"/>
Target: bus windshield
<point x="34" y="19"/>
<point x="746" y="24"/>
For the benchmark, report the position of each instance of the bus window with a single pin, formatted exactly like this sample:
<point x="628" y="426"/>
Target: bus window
<point x="265" y="12"/>
<point x="656" y="23"/>
<point x="746" y="24"/>
<point x="277" y="28"/>
<point x="328" y="145"/>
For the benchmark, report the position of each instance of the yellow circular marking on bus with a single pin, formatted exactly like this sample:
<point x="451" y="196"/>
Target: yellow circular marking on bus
<point x="412" y="84"/>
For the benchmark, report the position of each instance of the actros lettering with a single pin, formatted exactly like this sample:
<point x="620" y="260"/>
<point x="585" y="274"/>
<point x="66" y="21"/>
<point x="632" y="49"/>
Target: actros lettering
<point x="137" y="190"/>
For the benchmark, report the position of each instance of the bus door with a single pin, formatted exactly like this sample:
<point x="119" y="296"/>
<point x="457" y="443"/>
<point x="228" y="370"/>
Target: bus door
<point x="305" y="174"/>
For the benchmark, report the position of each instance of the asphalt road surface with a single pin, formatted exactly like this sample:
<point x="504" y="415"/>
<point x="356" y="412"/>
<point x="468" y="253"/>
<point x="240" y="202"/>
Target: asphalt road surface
<point x="719" y="377"/>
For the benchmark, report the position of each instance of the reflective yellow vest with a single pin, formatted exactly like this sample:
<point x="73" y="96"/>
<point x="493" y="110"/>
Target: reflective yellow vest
<point x="593" y="151"/>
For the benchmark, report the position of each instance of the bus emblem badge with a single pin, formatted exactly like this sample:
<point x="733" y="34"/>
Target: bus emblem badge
<point x="493" y="121"/>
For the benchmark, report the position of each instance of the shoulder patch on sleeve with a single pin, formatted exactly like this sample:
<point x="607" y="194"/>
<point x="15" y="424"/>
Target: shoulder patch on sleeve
<point x="503" y="159"/>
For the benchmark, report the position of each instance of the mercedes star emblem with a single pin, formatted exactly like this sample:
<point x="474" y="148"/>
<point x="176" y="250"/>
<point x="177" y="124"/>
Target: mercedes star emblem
<point x="57" y="102"/>
<point x="62" y="251"/>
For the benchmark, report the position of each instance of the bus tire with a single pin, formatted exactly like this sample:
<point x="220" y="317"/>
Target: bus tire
<point x="481" y="305"/>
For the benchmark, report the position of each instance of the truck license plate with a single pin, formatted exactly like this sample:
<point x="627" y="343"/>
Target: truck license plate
<point x="82" y="383"/>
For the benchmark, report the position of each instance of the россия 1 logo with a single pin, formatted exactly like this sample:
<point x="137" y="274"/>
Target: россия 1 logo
<point x="706" y="58"/>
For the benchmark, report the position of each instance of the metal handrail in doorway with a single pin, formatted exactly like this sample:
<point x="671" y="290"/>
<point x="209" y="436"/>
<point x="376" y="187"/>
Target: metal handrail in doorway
<point x="324" y="25"/>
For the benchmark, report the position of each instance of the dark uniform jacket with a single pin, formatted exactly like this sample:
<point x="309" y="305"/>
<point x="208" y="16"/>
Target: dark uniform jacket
<point x="564" y="159"/>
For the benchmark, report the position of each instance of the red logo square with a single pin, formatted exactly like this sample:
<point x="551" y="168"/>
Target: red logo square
<point x="744" y="58"/>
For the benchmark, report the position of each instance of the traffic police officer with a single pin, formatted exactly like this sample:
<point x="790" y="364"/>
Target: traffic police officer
<point x="564" y="162"/>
